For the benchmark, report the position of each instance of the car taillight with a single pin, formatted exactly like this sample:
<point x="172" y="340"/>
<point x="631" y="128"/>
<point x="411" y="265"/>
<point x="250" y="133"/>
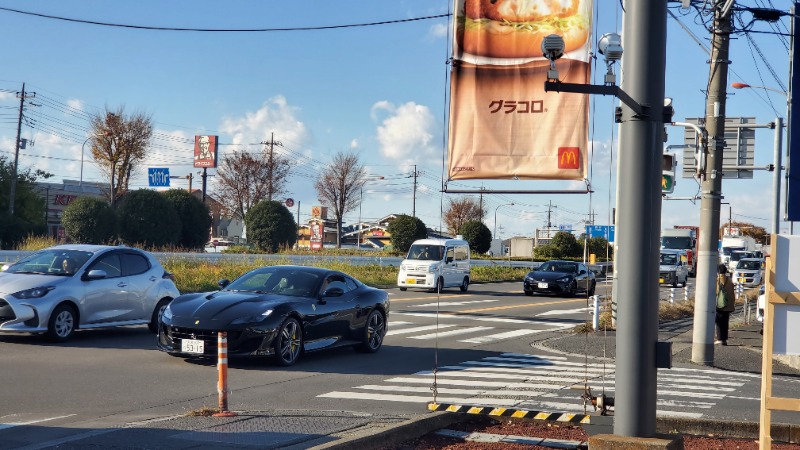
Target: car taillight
<point x="168" y="276"/>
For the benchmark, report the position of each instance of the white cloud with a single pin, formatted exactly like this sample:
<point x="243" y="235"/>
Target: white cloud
<point x="354" y="143"/>
<point x="407" y="132"/>
<point x="438" y="30"/>
<point x="275" y="116"/>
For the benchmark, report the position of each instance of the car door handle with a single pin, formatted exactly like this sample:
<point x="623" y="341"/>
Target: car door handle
<point x="153" y="278"/>
<point x="122" y="284"/>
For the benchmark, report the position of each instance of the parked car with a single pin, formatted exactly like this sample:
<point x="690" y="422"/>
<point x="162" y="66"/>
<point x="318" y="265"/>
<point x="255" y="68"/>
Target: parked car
<point x="61" y="289"/>
<point x="279" y="311"/>
<point x="560" y="277"/>
<point x="749" y="272"/>
<point x="673" y="268"/>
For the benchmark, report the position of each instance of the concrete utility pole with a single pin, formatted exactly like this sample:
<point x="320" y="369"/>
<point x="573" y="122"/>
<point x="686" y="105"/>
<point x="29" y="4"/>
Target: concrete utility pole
<point x="639" y="216"/>
<point x="13" y="190"/>
<point x="711" y="190"/>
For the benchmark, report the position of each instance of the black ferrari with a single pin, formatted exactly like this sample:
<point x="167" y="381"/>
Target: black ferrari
<point x="561" y="278"/>
<point x="279" y="311"/>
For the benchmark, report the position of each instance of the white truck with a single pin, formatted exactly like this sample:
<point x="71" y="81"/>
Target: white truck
<point x="682" y="237"/>
<point x="730" y="244"/>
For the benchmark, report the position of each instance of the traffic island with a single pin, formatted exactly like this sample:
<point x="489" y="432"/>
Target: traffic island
<point x="614" y="442"/>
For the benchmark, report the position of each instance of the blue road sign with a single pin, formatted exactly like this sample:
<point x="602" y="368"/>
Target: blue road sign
<point x="158" y="176"/>
<point x="603" y="231"/>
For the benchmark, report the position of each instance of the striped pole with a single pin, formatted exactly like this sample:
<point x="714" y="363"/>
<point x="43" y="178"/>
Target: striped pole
<point x="222" y="369"/>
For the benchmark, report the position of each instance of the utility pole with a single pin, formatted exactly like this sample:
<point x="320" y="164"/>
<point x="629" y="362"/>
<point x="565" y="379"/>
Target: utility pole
<point x="414" y="204"/>
<point x="638" y="222"/>
<point x="711" y="189"/>
<point x="13" y="190"/>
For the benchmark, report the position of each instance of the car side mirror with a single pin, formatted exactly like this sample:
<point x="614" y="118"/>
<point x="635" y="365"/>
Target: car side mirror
<point x="223" y="283"/>
<point x="582" y="272"/>
<point x="96" y="274"/>
<point x="333" y="292"/>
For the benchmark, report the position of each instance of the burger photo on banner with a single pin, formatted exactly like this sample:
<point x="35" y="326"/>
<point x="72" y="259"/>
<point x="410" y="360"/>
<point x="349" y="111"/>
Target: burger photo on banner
<point x="502" y="123"/>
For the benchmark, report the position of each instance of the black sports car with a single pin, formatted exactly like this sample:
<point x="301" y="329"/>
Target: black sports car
<point x="560" y="277"/>
<point x="277" y="311"/>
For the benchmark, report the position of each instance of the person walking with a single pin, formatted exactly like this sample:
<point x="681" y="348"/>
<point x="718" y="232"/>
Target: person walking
<point x="726" y="304"/>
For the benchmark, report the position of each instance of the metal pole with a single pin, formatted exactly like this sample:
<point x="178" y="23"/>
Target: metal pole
<point x="644" y="36"/>
<point x="711" y="192"/>
<point x="83" y="147"/>
<point x="776" y="177"/>
<point x="360" y="202"/>
<point x="13" y="191"/>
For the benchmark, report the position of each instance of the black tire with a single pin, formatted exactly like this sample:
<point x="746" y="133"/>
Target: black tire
<point x="403" y="289"/>
<point x="529" y="293"/>
<point x="157" y="311"/>
<point x="675" y="281"/>
<point x="592" y="288"/>
<point x="62" y="324"/>
<point x="373" y="334"/>
<point x="439" y="285"/>
<point x="464" y="284"/>
<point x="288" y="343"/>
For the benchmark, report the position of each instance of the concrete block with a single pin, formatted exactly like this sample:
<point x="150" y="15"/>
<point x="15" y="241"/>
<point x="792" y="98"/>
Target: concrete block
<point x="614" y="442"/>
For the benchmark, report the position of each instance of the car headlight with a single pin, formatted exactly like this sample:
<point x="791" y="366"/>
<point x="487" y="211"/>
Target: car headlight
<point x="563" y="279"/>
<point x="252" y="319"/>
<point x="433" y="268"/>
<point x="167" y="313"/>
<point x="37" y="292"/>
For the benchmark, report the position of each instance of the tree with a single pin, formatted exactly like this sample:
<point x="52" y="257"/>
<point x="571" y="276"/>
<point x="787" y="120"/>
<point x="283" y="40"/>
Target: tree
<point x="599" y="246"/>
<point x="194" y="215"/>
<point x="565" y="245"/>
<point x="241" y="182"/>
<point x="460" y="211"/>
<point x="148" y="219"/>
<point x="119" y="145"/>
<point x="339" y="186"/>
<point x="477" y="234"/>
<point x="271" y="226"/>
<point x="277" y="169"/>
<point x="89" y="220"/>
<point x="404" y="230"/>
<point x="747" y="229"/>
<point x="29" y="207"/>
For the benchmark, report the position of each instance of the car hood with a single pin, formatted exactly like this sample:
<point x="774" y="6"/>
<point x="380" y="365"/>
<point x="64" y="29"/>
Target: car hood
<point x="15" y="282"/>
<point x="221" y="307"/>
<point x="667" y="268"/>
<point x="549" y="276"/>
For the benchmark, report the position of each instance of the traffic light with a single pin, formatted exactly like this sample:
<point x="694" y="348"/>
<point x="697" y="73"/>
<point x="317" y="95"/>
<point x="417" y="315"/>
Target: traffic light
<point x="668" y="165"/>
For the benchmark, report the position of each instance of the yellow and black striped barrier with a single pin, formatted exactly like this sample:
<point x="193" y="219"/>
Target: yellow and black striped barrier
<point x="510" y="412"/>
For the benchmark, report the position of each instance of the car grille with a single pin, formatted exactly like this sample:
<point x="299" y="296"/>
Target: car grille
<point x="6" y="312"/>
<point x="209" y="338"/>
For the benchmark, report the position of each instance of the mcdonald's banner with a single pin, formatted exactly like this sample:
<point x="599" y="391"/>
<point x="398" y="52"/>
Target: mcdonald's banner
<point x="502" y="123"/>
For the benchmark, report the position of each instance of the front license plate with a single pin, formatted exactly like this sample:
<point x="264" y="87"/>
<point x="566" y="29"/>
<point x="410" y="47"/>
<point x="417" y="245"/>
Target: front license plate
<point x="741" y="280"/>
<point x="192" y="346"/>
<point x="411" y="281"/>
<point x="660" y="280"/>
<point x="542" y="285"/>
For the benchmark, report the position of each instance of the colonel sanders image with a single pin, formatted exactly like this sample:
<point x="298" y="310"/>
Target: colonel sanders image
<point x="205" y="152"/>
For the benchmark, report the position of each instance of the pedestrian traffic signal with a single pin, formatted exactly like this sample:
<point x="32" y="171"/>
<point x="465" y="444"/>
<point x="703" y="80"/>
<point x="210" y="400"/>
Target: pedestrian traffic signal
<point x="669" y="162"/>
<point x="667" y="183"/>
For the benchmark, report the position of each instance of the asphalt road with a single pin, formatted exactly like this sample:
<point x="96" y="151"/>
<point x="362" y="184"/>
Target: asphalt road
<point x="484" y="345"/>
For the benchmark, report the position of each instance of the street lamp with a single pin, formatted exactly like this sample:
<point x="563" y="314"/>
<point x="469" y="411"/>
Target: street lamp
<point x="494" y="233"/>
<point x="360" y="201"/>
<point x="83" y="147"/>
<point x="776" y="181"/>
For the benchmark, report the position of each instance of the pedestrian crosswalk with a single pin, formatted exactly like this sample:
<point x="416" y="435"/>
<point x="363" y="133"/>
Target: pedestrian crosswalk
<point x="546" y="383"/>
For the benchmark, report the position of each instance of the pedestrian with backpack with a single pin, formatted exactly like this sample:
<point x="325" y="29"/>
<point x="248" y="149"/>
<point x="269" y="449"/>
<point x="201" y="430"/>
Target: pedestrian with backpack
<point x="726" y="304"/>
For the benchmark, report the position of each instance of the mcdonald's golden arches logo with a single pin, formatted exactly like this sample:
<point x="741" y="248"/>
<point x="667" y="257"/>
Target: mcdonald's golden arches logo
<point x="569" y="158"/>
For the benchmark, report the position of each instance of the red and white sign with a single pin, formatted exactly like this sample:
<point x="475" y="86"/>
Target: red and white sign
<point x="205" y="151"/>
<point x="289" y="202"/>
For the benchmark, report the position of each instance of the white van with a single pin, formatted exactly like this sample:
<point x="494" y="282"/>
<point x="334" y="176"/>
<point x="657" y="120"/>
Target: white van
<point x="435" y="264"/>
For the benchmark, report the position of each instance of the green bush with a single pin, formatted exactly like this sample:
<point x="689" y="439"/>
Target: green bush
<point x="89" y="220"/>
<point x="405" y="230"/>
<point x="270" y="226"/>
<point x="194" y="215"/>
<point x="477" y="235"/>
<point x="147" y="218"/>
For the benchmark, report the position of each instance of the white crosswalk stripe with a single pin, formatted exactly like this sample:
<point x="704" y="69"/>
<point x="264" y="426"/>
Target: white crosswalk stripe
<point x="552" y="383"/>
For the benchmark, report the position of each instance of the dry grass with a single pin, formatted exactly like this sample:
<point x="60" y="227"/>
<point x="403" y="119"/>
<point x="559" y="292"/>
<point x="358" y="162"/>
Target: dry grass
<point x="205" y="411"/>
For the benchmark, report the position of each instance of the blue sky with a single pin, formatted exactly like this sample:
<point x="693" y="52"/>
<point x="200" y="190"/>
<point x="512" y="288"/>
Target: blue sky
<point x="379" y="90"/>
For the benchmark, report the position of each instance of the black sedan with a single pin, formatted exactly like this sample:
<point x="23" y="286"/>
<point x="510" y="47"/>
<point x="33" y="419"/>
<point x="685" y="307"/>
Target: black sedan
<point x="560" y="277"/>
<point x="278" y="311"/>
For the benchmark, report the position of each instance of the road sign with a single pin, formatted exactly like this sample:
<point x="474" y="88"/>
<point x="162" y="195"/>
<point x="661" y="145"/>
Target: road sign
<point x="667" y="183"/>
<point x="604" y="231"/>
<point x="158" y="176"/>
<point x="289" y="202"/>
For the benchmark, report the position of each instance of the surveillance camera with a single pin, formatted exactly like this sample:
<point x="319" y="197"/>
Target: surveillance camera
<point x="553" y="47"/>
<point x="610" y="46"/>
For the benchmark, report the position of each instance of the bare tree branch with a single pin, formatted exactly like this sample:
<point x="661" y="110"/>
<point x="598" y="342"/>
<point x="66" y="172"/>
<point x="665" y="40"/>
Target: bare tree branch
<point x="339" y="187"/>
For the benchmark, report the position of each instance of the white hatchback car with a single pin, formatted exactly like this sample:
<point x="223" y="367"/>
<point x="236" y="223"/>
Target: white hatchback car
<point x="749" y="272"/>
<point x="60" y="289"/>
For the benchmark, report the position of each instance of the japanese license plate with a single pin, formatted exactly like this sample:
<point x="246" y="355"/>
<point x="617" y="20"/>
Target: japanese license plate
<point x="192" y="346"/>
<point x="661" y="280"/>
<point x="741" y="280"/>
<point x="411" y="281"/>
<point x="542" y="285"/>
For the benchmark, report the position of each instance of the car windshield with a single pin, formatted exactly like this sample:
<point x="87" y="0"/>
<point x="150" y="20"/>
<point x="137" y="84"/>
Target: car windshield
<point x="291" y="281"/>
<point x="57" y="262"/>
<point x="669" y="260"/>
<point x="564" y="267"/>
<point x="735" y="256"/>
<point x="749" y="265"/>
<point x="728" y="250"/>
<point x="676" y="242"/>
<point x="425" y="252"/>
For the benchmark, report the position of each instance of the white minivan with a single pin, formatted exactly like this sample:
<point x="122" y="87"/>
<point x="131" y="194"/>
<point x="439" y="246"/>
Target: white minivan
<point x="436" y="264"/>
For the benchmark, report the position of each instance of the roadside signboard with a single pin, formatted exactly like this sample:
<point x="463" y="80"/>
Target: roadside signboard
<point x="739" y="148"/>
<point x="158" y="176"/>
<point x="603" y="231"/>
